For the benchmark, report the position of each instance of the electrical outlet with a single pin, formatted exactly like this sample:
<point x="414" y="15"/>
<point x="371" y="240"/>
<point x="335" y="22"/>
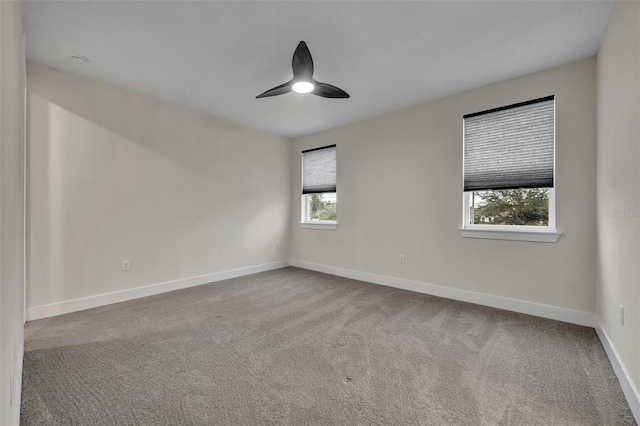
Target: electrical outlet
<point x="621" y="314"/>
<point x="126" y="265"/>
<point x="402" y="258"/>
<point x="278" y="247"/>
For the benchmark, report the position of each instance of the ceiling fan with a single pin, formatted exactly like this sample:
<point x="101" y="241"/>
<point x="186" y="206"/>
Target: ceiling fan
<point x="302" y="81"/>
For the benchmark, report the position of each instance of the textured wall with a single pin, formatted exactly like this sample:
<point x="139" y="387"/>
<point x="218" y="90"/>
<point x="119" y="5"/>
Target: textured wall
<point x="400" y="192"/>
<point x="119" y="176"/>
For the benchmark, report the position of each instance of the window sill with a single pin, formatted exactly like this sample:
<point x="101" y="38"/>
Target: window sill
<point x="324" y="226"/>
<point x="492" y="234"/>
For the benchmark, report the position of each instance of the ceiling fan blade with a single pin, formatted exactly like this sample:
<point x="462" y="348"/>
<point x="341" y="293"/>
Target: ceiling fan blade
<point x="302" y="63"/>
<point x="278" y="90"/>
<point x="328" y="91"/>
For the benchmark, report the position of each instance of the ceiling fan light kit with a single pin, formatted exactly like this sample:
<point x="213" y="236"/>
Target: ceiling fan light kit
<point x="303" y="81"/>
<point x="303" y="87"/>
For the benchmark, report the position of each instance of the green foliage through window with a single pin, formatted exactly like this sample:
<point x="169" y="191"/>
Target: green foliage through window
<point x="528" y="207"/>
<point x="322" y="208"/>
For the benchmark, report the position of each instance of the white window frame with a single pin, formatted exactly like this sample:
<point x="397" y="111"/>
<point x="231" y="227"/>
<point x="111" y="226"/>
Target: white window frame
<point x="306" y="222"/>
<point x="547" y="234"/>
<point x="551" y="227"/>
<point x="510" y="232"/>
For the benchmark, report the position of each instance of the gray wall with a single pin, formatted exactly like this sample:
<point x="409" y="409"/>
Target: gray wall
<point x="120" y="176"/>
<point x="618" y="184"/>
<point x="400" y="192"/>
<point x="11" y="207"/>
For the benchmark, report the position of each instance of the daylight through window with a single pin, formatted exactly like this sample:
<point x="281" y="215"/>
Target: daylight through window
<point x="509" y="160"/>
<point x="319" y="190"/>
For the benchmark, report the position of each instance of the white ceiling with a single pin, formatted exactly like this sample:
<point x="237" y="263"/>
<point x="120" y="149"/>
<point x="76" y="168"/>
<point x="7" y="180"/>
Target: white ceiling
<point x="217" y="56"/>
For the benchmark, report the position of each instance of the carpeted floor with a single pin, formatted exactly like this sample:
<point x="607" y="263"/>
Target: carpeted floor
<point x="297" y="347"/>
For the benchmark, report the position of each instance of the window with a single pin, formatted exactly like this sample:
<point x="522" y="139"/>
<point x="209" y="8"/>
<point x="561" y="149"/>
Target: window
<point x="509" y="160"/>
<point x="319" y="196"/>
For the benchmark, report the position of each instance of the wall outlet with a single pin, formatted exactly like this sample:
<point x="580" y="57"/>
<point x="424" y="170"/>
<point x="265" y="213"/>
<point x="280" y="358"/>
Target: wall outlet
<point x="402" y="258"/>
<point x="621" y="314"/>
<point x="278" y="247"/>
<point x="126" y="265"/>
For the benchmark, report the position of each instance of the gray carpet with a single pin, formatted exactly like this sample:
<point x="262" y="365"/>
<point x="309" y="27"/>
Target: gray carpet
<point x="298" y="347"/>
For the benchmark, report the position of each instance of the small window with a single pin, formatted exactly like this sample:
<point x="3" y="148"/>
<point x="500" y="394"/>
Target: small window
<point x="320" y="207"/>
<point x="319" y="190"/>
<point x="509" y="167"/>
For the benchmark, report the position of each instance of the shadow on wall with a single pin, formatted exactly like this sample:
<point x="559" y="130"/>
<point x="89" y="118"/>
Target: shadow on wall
<point x="114" y="174"/>
<point x="172" y="131"/>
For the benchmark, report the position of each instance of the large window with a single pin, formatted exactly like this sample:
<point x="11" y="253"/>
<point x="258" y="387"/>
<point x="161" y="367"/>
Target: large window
<point x="509" y="167"/>
<point x="319" y="191"/>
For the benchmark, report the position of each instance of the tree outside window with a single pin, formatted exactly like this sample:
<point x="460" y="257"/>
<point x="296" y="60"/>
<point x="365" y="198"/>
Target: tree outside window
<point x="322" y="207"/>
<point x="528" y="207"/>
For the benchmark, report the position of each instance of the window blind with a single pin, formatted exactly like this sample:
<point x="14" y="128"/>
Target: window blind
<point x="510" y="147"/>
<point x="319" y="170"/>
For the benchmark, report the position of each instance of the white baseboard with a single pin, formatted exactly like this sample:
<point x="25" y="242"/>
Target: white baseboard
<point x="545" y="311"/>
<point x="53" y="309"/>
<point x="514" y="305"/>
<point x="629" y="389"/>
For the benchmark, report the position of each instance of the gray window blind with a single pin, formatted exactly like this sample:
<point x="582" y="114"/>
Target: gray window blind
<point x="319" y="170"/>
<point x="510" y="147"/>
